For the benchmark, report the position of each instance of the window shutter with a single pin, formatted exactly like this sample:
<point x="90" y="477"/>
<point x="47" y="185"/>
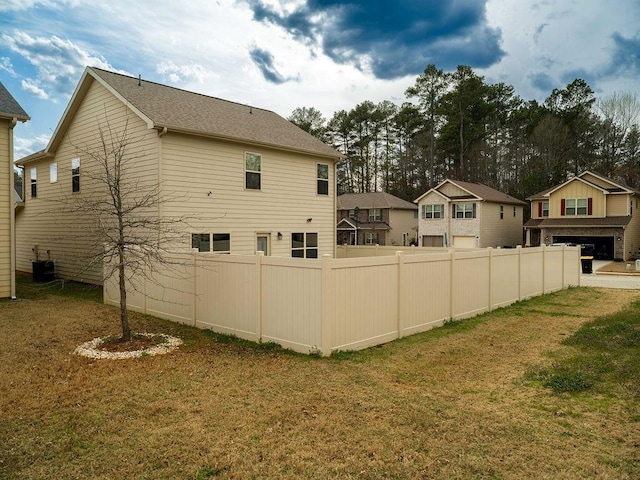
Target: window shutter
<point x="453" y="210"/>
<point x="562" y="206"/>
<point x="589" y="206"/>
<point x="540" y="209"/>
<point x="474" y="210"/>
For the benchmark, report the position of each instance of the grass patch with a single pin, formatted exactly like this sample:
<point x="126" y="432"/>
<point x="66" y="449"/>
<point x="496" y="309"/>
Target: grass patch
<point x="448" y="403"/>
<point x="605" y="355"/>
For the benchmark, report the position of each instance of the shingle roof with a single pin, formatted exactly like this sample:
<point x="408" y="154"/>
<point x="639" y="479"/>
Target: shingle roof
<point x="488" y="194"/>
<point x="578" y="222"/>
<point x="198" y="114"/>
<point x="349" y="201"/>
<point x="9" y="107"/>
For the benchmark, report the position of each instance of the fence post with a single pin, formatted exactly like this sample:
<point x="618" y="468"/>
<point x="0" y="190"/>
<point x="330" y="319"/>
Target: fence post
<point x="260" y="306"/>
<point x="519" y="249"/>
<point x="452" y="258"/>
<point x="399" y="264"/>
<point x="544" y="268"/>
<point x="490" y="300"/>
<point x="194" y="297"/>
<point x="326" y="303"/>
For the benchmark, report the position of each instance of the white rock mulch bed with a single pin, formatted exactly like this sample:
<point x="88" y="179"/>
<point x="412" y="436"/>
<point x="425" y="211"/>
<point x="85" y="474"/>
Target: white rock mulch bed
<point x="91" y="349"/>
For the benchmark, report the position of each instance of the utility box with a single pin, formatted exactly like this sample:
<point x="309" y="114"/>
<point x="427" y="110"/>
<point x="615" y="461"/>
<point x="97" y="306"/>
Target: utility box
<point x="43" y="270"/>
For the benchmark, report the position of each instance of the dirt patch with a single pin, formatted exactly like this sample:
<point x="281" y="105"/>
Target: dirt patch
<point x="620" y="267"/>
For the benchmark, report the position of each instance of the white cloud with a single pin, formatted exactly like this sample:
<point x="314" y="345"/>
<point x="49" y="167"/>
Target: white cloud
<point x="26" y="146"/>
<point x="7" y="66"/>
<point x="182" y="73"/>
<point x="32" y="88"/>
<point x="58" y="62"/>
<point x="14" y="5"/>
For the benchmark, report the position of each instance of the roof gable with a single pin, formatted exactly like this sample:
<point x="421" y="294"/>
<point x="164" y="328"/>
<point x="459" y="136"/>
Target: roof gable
<point x="164" y="107"/>
<point x="471" y="191"/>
<point x="9" y="107"/>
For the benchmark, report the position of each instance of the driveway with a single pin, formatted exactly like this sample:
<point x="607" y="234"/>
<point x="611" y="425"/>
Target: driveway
<point x="609" y="280"/>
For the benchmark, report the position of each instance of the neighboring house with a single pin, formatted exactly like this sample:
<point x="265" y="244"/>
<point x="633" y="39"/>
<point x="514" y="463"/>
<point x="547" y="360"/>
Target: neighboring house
<point x="10" y="113"/>
<point x="248" y="179"/>
<point x="469" y="215"/>
<point x="587" y="209"/>
<point x="375" y="218"/>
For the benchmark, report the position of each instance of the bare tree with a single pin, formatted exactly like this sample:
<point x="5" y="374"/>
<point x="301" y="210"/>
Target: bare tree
<point x="130" y="237"/>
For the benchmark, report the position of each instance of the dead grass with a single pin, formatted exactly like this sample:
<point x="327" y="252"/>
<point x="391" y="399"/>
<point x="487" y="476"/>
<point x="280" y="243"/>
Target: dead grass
<point x="451" y="403"/>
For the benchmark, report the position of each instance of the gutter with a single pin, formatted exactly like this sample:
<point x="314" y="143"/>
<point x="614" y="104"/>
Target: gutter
<point x="12" y="220"/>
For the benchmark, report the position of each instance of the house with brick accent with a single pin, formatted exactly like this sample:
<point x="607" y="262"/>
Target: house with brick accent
<point x="376" y="218"/>
<point x="469" y="215"/>
<point x="587" y="209"/>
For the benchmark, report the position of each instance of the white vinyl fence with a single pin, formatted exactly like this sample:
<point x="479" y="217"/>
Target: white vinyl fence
<point x="329" y="304"/>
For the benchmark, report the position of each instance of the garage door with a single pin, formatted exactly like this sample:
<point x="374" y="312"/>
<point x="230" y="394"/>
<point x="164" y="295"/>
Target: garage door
<point x="460" y="241"/>
<point x="432" y="241"/>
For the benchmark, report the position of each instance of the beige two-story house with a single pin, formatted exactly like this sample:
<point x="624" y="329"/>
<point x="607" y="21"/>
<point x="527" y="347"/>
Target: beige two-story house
<point x="376" y="218"/>
<point x="588" y="209"/>
<point x="10" y="114"/>
<point x="245" y="178"/>
<point x="469" y="215"/>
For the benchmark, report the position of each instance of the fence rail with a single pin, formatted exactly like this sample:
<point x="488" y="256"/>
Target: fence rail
<point x="329" y="304"/>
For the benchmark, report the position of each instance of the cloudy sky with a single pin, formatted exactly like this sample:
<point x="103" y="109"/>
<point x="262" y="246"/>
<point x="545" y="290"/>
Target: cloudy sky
<point x="326" y="54"/>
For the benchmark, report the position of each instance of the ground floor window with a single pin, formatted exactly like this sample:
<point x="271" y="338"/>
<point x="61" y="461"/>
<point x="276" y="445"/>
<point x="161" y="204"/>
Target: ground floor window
<point x="371" y="238"/>
<point x="211" y="242"/>
<point x="304" y="245"/>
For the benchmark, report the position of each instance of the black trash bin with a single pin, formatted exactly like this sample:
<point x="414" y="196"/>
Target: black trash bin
<point x="587" y="264"/>
<point x="43" y="270"/>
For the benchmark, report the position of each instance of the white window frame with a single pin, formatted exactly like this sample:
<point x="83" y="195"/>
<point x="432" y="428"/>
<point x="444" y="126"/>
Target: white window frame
<point x="545" y="209"/>
<point x="464" y="211"/>
<point x="53" y="172"/>
<point x="373" y="215"/>
<point x="371" y="238"/>
<point x="304" y="245"/>
<point x="33" y="176"/>
<point x="75" y="175"/>
<point x="432" y="211"/>
<point x="322" y="179"/>
<point x="577" y="207"/>
<point x="252" y="171"/>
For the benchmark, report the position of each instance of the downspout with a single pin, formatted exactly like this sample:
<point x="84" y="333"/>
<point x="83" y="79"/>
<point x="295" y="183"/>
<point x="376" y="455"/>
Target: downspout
<point x="161" y="133"/>
<point x="12" y="220"/>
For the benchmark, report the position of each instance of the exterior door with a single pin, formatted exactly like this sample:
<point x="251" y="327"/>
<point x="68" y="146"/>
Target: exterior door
<point x="263" y="243"/>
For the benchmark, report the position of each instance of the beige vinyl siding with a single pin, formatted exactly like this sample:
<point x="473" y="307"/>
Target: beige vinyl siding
<point x="6" y="209"/>
<point x="618" y="205"/>
<point x="535" y="208"/>
<point x="497" y="232"/>
<point x="451" y="190"/>
<point x="577" y="189"/>
<point x="632" y="232"/>
<point x="65" y="235"/>
<point x="401" y="221"/>
<point x="209" y="175"/>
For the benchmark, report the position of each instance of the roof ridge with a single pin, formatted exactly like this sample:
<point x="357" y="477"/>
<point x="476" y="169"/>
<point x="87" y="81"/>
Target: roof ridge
<point x="190" y="92"/>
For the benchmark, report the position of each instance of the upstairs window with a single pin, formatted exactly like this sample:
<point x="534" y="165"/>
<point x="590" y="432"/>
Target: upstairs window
<point x="75" y="175"/>
<point x="543" y="209"/>
<point x="323" y="179"/>
<point x="304" y="245"/>
<point x="353" y="214"/>
<point x="501" y="212"/>
<point x="576" y="206"/>
<point x="463" y="210"/>
<point x="253" y="168"/>
<point x="432" y="211"/>
<point x="34" y="182"/>
<point x="53" y="173"/>
<point x="375" y="214"/>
